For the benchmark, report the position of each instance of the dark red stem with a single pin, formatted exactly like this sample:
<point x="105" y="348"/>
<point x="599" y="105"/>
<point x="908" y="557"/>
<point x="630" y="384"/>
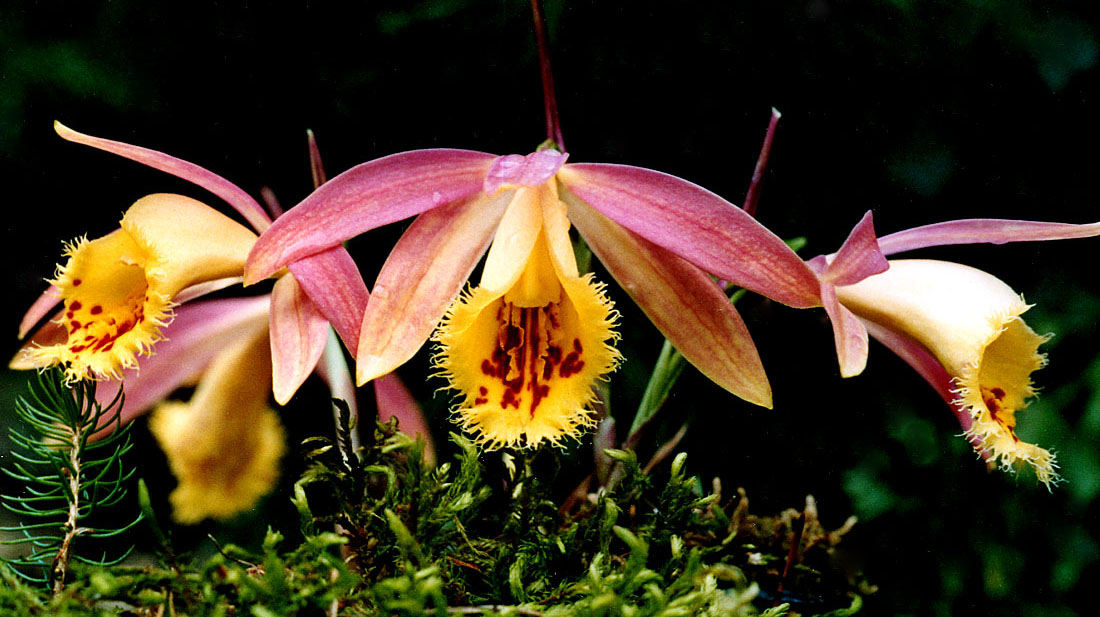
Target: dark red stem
<point x="550" y="100"/>
<point x="753" y="194"/>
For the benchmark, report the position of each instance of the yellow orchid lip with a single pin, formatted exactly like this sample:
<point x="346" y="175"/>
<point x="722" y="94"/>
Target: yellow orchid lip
<point x="118" y="290"/>
<point x="526" y="346"/>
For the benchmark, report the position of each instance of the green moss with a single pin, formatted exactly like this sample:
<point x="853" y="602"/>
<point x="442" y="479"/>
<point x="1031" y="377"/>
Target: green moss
<point x="386" y="534"/>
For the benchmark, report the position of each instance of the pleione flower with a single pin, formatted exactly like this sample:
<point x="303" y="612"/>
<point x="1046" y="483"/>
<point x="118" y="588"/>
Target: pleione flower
<point x="960" y="328"/>
<point x="525" y="347"/>
<point x="178" y="249"/>
<point x="128" y="317"/>
<point x="971" y="322"/>
<point x="118" y="290"/>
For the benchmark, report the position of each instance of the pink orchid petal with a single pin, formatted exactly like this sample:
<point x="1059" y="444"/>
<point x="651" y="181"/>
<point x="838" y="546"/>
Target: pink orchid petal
<point x="422" y="276"/>
<point x="37" y="312"/>
<point x="199" y="332"/>
<point x="370" y="195"/>
<point x="334" y="283"/>
<point x="697" y="225"/>
<point x="298" y="335"/>
<point x="395" y="401"/>
<point x="204" y="288"/>
<point x="858" y="258"/>
<point x="52" y="332"/>
<point x="976" y="231"/>
<point x="682" y="301"/>
<point x="515" y="170"/>
<point x="849" y="335"/>
<point x="926" y="365"/>
<point x="233" y="195"/>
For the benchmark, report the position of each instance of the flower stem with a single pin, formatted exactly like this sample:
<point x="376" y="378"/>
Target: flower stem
<point x="753" y="194"/>
<point x="553" y="126"/>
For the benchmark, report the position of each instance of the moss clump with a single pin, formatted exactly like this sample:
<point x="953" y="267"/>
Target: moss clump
<point x="386" y="534"/>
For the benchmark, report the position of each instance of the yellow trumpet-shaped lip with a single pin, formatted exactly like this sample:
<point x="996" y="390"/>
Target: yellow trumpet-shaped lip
<point x="971" y="322"/>
<point x="117" y="290"/>
<point x="225" y="444"/>
<point x="525" y="348"/>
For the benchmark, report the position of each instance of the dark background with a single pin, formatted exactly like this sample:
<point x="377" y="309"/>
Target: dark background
<point x="920" y="111"/>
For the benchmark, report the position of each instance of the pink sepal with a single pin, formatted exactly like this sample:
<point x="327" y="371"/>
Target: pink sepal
<point x="52" y="332"/>
<point x="334" y="283"/>
<point x="976" y="231"/>
<point x="926" y="365"/>
<point x="298" y="335"/>
<point x="233" y="195"/>
<point x="197" y="334"/>
<point x="208" y="287"/>
<point x="42" y="307"/>
<point x="849" y="335"/>
<point x="517" y="170"/>
<point x="682" y="301"/>
<point x="395" y="401"/>
<point x="421" y="277"/>
<point x="858" y="258"/>
<point x="697" y="225"/>
<point x="367" y="196"/>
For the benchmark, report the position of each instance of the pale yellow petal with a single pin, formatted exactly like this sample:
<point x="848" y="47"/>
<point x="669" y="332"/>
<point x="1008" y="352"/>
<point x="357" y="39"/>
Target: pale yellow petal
<point x="514" y="239"/>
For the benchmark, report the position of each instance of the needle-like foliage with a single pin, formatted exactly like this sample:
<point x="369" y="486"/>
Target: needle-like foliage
<point x="69" y="460"/>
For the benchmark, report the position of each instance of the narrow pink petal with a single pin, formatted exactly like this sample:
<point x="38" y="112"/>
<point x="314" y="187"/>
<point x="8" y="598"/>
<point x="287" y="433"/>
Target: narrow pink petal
<point x="233" y="195"/>
<point x="199" y="332"/>
<point x="207" y="287"/>
<point x="334" y="283"/>
<point x="849" y="335"/>
<point x="298" y="334"/>
<point x="682" y="301"/>
<point x="515" y="170"/>
<point x="370" y="195"/>
<point x="42" y="306"/>
<point x="422" y="276"/>
<point x="926" y="365"/>
<point x="395" y="401"/>
<point x="858" y="258"/>
<point x="977" y="231"/>
<point x="697" y="225"/>
<point x="52" y="332"/>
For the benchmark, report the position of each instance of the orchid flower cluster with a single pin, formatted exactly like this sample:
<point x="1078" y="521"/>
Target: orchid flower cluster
<point x="524" y="348"/>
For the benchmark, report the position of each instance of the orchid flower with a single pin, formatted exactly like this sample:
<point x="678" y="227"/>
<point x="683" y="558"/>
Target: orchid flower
<point x="525" y="346"/>
<point x="124" y="292"/>
<point x="959" y="327"/>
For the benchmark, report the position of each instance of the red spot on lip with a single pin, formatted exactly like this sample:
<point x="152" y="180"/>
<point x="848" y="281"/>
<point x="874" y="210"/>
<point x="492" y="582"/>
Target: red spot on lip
<point x="97" y="309"/>
<point x="480" y="401"/>
<point x="510" y="398"/>
<point x="572" y="365"/>
<point x="76" y="305"/>
<point x="483" y="390"/>
<point x="75" y="325"/>
<point x="77" y="282"/>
